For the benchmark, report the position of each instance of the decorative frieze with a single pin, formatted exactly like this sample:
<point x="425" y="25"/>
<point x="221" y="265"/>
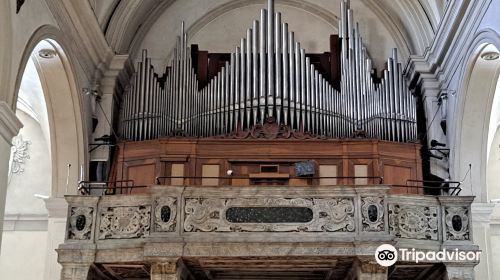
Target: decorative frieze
<point x="316" y="215"/>
<point x="372" y="213"/>
<point x="80" y="223"/>
<point x="414" y="221"/>
<point x="270" y="213"/>
<point x="125" y="222"/>
<point x="165" y="214"/>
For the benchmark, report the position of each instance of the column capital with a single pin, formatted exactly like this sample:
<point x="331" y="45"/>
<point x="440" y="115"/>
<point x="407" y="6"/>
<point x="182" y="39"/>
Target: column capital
<point x="57" y="207"/>
<point x="481" y="212"/>
<point x="9" y="123"/>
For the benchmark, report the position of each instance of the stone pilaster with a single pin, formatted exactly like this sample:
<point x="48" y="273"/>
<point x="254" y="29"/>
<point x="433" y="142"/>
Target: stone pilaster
<point x="76" y="262"/>
<point x="170" y="269"/>
<point x="459" y="271"/>
<point x="481" y="219"/>
<point x="75" y="271"/>
<point x="9" y="127"/>
<point x="58" y="210"/>
<point x="109" y="86"/>
<point x="367" y="269"/>
<point x="456" y="217"/>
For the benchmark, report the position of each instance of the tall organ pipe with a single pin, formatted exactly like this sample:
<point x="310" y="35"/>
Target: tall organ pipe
<point x="270" y="75"/>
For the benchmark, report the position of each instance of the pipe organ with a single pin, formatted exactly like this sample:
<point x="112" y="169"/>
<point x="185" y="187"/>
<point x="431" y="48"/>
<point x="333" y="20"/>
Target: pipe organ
<point x="270" y="78"/>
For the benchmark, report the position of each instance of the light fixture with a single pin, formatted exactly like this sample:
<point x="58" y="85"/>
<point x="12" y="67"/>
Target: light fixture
<point x="491" y="55"/>
<point x="47" y="53"/>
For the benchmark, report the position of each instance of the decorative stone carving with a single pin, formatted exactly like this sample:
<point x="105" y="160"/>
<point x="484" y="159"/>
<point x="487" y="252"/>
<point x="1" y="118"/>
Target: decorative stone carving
<point x="164" y="267"/>
<point x="457" y="223"/>
<point x="272" y="130"/>
<point x="125" y="222"/>
<point x="75" y="272"/>
<point x="209" y="215"/>
<point x="165" y="215"/>
<point x="80" y="223"/>
<point x="372" y="213"/>
<point x="413" y="221"/>
<point x="20" y="153"/>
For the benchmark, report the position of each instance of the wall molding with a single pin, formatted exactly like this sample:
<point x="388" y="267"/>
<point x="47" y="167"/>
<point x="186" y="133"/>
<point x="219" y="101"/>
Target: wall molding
<point x="25" y="222"/>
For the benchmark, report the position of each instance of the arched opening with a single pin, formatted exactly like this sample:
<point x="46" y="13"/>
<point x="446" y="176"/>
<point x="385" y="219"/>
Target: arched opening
<point x="493" y="147"/>
<point x="46" y="159"/>
<point x="477" y="123"/>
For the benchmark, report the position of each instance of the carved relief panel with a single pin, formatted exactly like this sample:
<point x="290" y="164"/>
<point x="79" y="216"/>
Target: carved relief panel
<point x="80" y="223"/>
<point x="165" y="214"/>
<point x="125" y="222"/>
<point x="457" y="223"/>
<point x="413" y="221"/>
<point x="372" y="213"/>
<point x="269" y="215"/>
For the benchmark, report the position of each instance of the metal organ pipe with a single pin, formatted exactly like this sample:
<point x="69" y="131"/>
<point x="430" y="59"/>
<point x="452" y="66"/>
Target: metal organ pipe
<point x="255" y="71"/>
<point x="262" y="64"/>
<point x="270" y="75"/>
<point x="270" y="57"/>
<point x="248" y="82"/>
<point x="286" y="93"/>
<point x="277" y="98"/>
<point x="291" y="79"/>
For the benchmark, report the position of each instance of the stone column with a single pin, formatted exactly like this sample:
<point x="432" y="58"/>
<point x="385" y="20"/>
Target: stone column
<point x="170" y="269"/>
<point x="367" y="269"/>
<point x="76" y="261"/>
<point x="460" y="271"/>
<point x="75" y="271"/>
<point x="9" y="127"/>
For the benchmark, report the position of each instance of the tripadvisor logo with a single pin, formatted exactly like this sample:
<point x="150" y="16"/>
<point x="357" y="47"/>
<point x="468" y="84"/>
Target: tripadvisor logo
<point x="387" y="255"/>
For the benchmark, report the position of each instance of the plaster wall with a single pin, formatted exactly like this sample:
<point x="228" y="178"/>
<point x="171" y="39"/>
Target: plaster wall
<point x="36" y="177"/>
<point x="23" y="255"/>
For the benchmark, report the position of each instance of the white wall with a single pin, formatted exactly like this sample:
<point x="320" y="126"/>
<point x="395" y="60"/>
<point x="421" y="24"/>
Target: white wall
<point x="23" y="255"/>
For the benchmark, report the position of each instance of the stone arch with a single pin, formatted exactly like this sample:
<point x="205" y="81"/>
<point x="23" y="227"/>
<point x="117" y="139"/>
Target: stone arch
<point x="64" y="107"/>
<point x="473" y="111"/>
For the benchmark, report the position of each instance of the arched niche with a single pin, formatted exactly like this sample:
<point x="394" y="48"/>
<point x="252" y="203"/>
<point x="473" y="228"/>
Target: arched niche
<point x="476" y="106"/>
<point x="64" y="108"/>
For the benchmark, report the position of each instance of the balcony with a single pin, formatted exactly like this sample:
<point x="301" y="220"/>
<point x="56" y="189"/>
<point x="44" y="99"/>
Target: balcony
<point x="337" y="224"/>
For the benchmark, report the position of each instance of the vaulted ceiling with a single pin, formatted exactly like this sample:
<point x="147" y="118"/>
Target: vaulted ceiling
<point x="411" y="23"/>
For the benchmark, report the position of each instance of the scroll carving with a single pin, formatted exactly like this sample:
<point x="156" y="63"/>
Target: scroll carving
<point x="209" y="215"/>
<point x="272" y="130"/>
